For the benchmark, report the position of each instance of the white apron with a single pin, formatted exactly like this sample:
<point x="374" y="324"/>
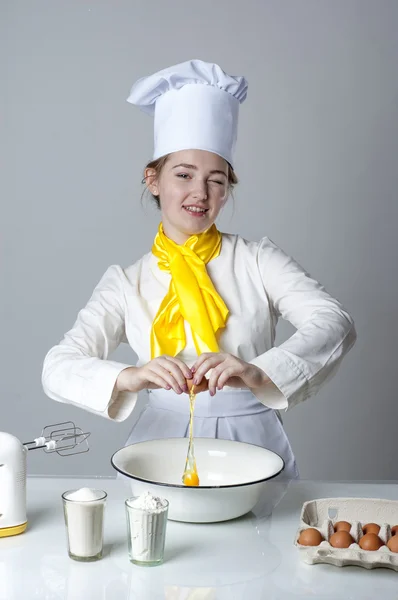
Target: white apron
<point x="230" y="415"/>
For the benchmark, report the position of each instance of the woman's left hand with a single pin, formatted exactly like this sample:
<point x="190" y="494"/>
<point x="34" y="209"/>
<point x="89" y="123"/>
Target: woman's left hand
<point x="227" y="370"/>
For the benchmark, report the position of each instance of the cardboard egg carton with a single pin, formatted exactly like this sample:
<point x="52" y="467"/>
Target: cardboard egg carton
<point x="323" y="513"/>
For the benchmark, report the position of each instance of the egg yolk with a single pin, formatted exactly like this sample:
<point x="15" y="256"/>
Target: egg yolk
<point x="191" y="479"/>
<point x="190" y="476"/>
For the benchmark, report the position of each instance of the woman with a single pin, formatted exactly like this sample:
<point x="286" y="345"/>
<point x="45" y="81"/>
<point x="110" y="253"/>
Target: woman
<point x="202" y="306"/>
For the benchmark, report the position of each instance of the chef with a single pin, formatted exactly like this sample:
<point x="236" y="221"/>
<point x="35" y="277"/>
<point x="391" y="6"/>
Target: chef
<point x="201" y="307"/>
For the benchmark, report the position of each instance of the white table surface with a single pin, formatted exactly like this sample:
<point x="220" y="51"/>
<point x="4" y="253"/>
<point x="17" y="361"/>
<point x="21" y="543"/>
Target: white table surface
<point x="249" y="558"/>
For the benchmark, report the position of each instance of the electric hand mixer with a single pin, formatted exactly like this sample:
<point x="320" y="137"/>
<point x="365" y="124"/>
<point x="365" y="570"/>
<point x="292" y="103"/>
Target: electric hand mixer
<point x="62" y="438"/>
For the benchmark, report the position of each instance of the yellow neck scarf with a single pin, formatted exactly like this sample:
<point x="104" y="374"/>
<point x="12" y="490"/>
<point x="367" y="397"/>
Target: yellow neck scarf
<point x="191" y="296"/>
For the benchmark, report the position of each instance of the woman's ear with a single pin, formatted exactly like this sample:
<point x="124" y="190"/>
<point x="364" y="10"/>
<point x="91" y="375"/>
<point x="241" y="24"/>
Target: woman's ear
<point x="151" y="181"/>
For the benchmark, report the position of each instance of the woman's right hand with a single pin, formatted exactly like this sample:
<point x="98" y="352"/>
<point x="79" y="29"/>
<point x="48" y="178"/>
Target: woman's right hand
<point x="165" y="372"/>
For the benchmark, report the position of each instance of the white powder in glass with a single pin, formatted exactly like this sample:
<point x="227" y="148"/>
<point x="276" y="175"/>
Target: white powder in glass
<point x="85" y="495"/>
<point x="84" y="515"/>
<point x="147" y="519"/>
<point x="149" y="503"/>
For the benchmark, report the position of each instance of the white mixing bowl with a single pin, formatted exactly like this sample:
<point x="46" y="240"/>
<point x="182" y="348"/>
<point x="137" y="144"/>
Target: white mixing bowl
<point x="232" y="476"/>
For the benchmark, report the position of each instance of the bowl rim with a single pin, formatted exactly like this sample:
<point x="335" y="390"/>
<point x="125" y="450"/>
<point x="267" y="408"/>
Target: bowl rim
<point x="199" y="487"/>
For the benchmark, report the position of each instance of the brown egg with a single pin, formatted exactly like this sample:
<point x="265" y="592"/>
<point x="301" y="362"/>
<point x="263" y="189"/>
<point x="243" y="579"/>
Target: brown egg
<point x="341" y="539"/>
<point x="202" y="387"/>
<point x="392" y="544"/>
<point x="342" y="526"/>
<point x="370" y="541"/>
<point x="394" y="530"/>
<point x="371" y="528"/>
<point x="310" y="537"/>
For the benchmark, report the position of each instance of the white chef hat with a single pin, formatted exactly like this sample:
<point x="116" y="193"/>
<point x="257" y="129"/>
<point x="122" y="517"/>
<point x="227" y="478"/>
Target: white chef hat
<point x="195" y="105"/>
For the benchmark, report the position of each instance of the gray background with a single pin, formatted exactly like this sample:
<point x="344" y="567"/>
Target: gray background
<point x="317" y="160"/>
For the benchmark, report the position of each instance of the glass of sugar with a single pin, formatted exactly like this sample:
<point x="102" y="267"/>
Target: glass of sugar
<point x="84" y="521"/>
<point x="146" y="529"/>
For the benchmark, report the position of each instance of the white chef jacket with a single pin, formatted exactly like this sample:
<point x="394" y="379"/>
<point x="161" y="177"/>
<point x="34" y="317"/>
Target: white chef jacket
<point x="258" y="282"/>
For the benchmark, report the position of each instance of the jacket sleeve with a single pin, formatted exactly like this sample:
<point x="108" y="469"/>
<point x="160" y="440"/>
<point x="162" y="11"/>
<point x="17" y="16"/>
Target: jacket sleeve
<point x="325" y="331"/>
<point x="77" y="370"/>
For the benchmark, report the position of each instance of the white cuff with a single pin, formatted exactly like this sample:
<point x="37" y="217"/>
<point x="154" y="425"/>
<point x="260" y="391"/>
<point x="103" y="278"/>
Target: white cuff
<point x="288" y="385"/>
<point x="121" y="405"/>
<point x="92" y="388"/>
<point x="271" y="396"/>
<point x="99" y="385"/>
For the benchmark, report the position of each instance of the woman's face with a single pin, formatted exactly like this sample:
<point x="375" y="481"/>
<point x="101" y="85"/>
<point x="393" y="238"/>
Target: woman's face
<point x="192" y="189"/>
